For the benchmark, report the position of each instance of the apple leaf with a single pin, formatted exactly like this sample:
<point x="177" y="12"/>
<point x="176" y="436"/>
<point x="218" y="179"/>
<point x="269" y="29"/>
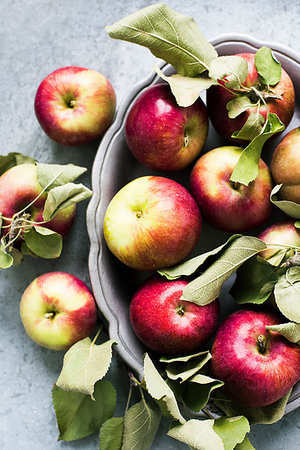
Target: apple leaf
<point x="238" y="105"/>
<point x="160" y="391"/>
<point x="206" y="288"/>
<point x="289" y="330"/>
<point x="13" y="159"/>
<point x="17" y="256"/>
<point x="264" y="415"/>
<point x="78" y="415"/>
<point x="267" y="66"/>
<point x="6" y="260"/>
<point x="290" y="208"/>
<point x="232" y="430"/>
<point x="61" y="197"/>
<point x="141" y="422"/>
<point x="53" y="175"/>
<point x="199" y="434"/>
<point x="255" y="280"/>
<point x="244" y="445"/>
<point x="111" y="434"/>
<point x="198" y="390"/>
<point x="170" y="36"/>
<point x="183" y="370"/>
<point x="287" y="294"/>
<point x="190" y="266"/>
<point x="84" y="364"/>
<point x="297" y="224"/>
<point x="232" y="69"/>
<point x="43" y="242"/>
<point x="252" y="127"/>
<point x="246" y="169"/>
<point x="186" y="90"/>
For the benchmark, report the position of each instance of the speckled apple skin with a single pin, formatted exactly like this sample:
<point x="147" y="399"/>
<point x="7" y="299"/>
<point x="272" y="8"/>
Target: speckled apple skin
<point x="154" y="318"/>
<point x="279" y="233"/>
<point x="251" y="378"/>
<point x="71" y="301"/>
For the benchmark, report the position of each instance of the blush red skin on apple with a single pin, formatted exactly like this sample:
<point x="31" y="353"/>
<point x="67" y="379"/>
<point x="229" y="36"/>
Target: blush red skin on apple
<point x="251" y="378"/>
<point x="156" y="126"/>
<point x="279" y="233"/>
<point x="159" y="327"/>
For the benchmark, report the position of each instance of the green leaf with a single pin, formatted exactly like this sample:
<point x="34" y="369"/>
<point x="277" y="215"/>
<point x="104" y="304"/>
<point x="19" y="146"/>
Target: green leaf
<point x="238" y="105"/>
<point x="206" y="288"/>
<point x="190" y="266"/>
<point x="254" y="282"/>
<point x="53" y="175"/>
<point x="186" y="90"/>
<point x="84" y="364"/>
<point x="292" y="209"/>
<point x="111" y="434"/>
<point x="160" y="391"/>
<point x="267" y="66"/>
<point x="252" y="127"/>
<point x="289" y="330"/>
<point x="264" y="415"/>
<point x="198" y="390"/>
<point x="233" y="68"/>
<point x="43" y="242"/>
<point x="61" y="197"/>
<point x="244" y="445"/>
<point x="78" y="415"/>
<point x="183" y="370"/>
<point x="297" y="224"/>
<point x="13" y="159"/>
<point x="17" y="256"/>
<point x="287" y="294"/>
<point x="170" y="36"/>
<point x="6" y="260"/>
<point x="232" y="430"/>
<point x="246" y="169"/>
<point x="141" y="422"/>
<point x="199" y="434"/>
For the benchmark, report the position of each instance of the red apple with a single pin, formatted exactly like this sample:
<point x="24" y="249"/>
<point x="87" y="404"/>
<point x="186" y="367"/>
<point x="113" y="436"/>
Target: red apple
<point x="57" y="310"/>
<point x="285" y="166"/>
<point x="282" y="233"/>
<point x="168" y="325"/>
<point x="162" y="135"/>
<point x="257" y="366"/>
<point x="75" y="105"/>
<point x="227" y="205"/>
<point x="218" y="97"/>
<point x="18" y="188"/>
<point x="152" y="222"/>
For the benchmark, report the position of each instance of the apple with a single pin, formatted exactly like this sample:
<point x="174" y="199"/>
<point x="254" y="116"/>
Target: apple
<point x="57" y="310"/>
<point x="18" y="188"/>
<point x="218" y="97"/>
<point x="75" y="105"/>
<point x="166" y="324"/>
<point x="281" y="233"/>
<point x="152" y="222"/>
<point x="285" y="166"/>
<point x="227" y="205"/>
<point x="257" y="366"/>
<point x="162" y="135"/>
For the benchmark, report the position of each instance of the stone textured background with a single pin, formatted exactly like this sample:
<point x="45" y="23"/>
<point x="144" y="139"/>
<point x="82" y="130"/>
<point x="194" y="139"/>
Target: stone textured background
<point x="37" y="37"/>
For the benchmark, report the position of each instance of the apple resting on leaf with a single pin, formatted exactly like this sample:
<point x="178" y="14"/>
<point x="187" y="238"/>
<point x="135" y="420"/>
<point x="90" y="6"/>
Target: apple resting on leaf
<point x="163" y="135"/>
<point x="168" y="325"/>
<point x="75" y="105"/>
<point x="57" y="310"/>
<point x="284" y="233"/>
<point x="258" y="366"/>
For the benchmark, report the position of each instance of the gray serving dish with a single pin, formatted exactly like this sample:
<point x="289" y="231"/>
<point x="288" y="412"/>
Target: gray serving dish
<point x="112" y="282"/>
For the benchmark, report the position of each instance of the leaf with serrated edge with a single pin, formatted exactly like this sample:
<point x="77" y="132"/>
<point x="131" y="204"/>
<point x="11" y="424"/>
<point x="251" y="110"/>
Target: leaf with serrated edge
<point x="61" y="197"/>
<point x="181" y="358"/>
<point x="160" y="391"/>
<point x="292" y="209"/>
<point x="13" y="159"/>
<point x="111" y="434"/>
<point x="238" y="105"/>
<point x="199" y="434"/>
<point x="78" y="415"/>
<point x="251" y="128"/>
<point x="43" y="242"/>
<point x="198" y="390"/>
<point x="287" y="294"/>
<point x="84" y="364"/>
<point x="244" y="445"/>
<point x="6" y="260"/>
<point x="289" y="330"/>
<point x="141" y="422"/>
<point x="267" y="66"/>
<point x="233" y="68"/>
<point x="186" y="90"/>
<point x="206" y="288"/>
<point x="57" y="174"/>
<point x="232" y="430"/>
<point x="184" y="370"/>
<point x="170" y="36"/>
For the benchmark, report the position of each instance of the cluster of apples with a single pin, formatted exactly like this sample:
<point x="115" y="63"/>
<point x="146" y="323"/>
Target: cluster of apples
<point x="154" y="222"/>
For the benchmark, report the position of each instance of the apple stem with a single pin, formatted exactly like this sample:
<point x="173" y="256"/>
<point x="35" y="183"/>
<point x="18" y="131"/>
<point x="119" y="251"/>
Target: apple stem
<point x="72" y="103"/>
<point x="49" y="315"/>
<point x="186" y="140"/>
<point x="180" y="310"/>
<point x="96" y="337"/>
<point x="271" y="244"/>
<point x="262" y="344"/>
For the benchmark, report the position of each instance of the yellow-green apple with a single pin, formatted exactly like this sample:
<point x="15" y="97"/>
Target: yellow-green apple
<point x="281" y="233"/>
<point x="285" y="166"/>
<point x="162" y="135"/>
<point x="227" y="205"/>
<point x="218" y="97"/>
<point x="152" y="222"/>
<point x="57" y="309"/>
<point x="165" y="323"/>
<point x="75" y="105"/>
<point x="258" y="366"/>
<point x="19" y="187"/>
